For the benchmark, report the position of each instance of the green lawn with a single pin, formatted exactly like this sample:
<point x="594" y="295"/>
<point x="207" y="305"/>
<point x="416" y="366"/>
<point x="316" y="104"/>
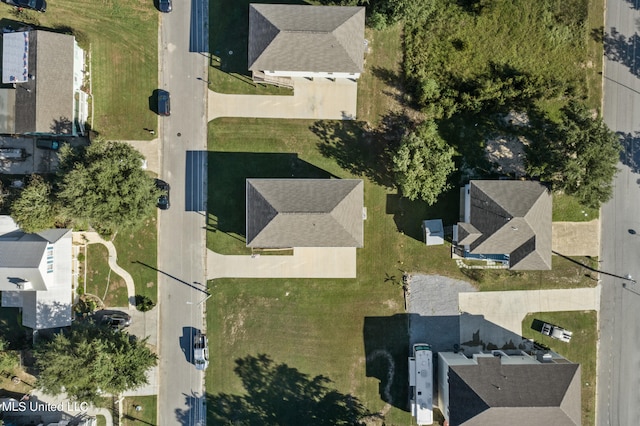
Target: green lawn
<point x="101" y="280"/>
<point x="328" y="326"/>
<point x="567" y="209"/>
<point x="146" y="416"/>
<point x="581" y="349"/>
<point x="137" y="253"/>
<point x="122" y="40"/>
<point x="101" y="420"/>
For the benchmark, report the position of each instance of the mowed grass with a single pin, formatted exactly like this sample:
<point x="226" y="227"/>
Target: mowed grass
<point x="138" y="254"/>
<point x="327" y="326"/>
<point x="122" y="40"/>
<point x="581" y="349"/>
<point x="101" y="280"/>
<point x="148" y="415"/>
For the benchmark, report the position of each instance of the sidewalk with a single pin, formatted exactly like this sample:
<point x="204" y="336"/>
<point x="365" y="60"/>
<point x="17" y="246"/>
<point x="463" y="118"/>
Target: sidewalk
<point x="85" y="238"/>
<point x="308" y="262"/>
<point x="320" y="99"/>
<point x="143" y="324"/>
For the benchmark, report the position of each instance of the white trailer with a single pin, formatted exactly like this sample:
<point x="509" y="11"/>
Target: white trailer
<point x="421" y="383"/>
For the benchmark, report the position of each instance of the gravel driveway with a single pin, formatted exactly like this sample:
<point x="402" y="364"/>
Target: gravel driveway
<point x="434" y="316"/>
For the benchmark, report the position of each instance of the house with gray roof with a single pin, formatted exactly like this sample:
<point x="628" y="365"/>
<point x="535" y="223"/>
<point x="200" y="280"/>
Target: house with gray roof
<point x="35" y="274"/>
<point x="288" y="213"/>
<point x="288" y="40"/>
<point x="42" y="76"/>
<point x="508" y="388"/>
<point x="507" y="221"/>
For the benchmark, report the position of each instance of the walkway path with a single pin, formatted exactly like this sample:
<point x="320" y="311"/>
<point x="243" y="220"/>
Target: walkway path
<point x="308" y="262"/>
<point x="87" y="237"/>
<point x="320" y="99"/>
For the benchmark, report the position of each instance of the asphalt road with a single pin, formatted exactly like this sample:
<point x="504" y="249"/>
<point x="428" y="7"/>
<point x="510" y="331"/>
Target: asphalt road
<point x="181" y="236"/>
<point x="618" y="397"/>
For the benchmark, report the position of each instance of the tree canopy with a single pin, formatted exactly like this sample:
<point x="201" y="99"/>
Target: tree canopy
<point x="8" y="359"/>
<point x="105" y="186"/>
<point x="579" y="156"/>
<point x="90" y="359"/>
<point x="35" y="209"/>
<point x="423" y="163"/>
<point x="277" y="394"/>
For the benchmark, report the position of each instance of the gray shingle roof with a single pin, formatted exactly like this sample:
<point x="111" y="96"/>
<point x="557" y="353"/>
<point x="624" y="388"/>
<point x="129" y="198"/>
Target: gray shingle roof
<point x="524" y="394"/>
<point x="48" y="105"/>
<point x="512" y="217"/>
<point x="284" y="213"/>
<point x="286" y="37"/>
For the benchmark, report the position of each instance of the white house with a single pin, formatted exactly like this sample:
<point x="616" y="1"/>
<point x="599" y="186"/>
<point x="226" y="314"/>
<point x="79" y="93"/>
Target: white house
<point x="35" y="274"/>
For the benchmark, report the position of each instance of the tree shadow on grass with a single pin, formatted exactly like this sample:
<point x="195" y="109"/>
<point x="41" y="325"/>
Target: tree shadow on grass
<point x="361" y="150"/>
<point x="282" y="395"/>
<point x="228" y="172"/>
<point x="408" y="215"/>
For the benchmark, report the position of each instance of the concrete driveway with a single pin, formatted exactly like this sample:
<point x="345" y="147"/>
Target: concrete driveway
<point x="576" y="238"/>
<point x="307" y="262"/>
<point x="505" y="310"/>
<point x="320" y="99"/>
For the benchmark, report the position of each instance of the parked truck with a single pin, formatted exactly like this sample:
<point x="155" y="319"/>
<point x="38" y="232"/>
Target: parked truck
<point x="556" y="332"/>
<point x="201" y="351"/>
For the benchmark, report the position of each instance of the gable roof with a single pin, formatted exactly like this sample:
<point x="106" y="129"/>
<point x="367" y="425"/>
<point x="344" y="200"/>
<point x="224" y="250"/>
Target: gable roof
<point x="45" y="104"/>
<point x="525" y="394"/>
<point x="283" y="213"/>
<point x="285" y="37"/>
<point x="512" y="217"/>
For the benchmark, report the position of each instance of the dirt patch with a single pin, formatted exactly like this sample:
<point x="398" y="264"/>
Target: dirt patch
<point x="507" y="152"/>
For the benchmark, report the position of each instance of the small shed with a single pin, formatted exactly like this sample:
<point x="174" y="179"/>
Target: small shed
<point x="433" y="232"/>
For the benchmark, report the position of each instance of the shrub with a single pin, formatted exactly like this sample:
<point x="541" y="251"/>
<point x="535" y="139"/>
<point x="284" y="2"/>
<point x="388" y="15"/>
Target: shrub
<point x="144" y="303"/>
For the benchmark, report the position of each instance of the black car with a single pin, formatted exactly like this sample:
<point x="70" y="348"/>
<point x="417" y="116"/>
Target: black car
<point x="164" y="103"/>
<point x="51" y="144"/>
<point x="38" y="5"/>
<point x="164" y="6"/>
<point x="163" y="199"/>
<point x="116" y="320"/>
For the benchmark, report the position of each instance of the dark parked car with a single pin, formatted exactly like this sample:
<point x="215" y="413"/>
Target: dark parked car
<point x="163" y="199"/>
<point x="116" y="320"/>
<point x="39" y="5"/>
<point x="165" y="6"/>
<point x="51" y="144"/>
<point x="164" y="102"/>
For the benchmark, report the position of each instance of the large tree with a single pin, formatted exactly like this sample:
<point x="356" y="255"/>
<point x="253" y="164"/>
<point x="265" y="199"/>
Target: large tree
<point x="105" y="186"/>
<point x="35" y="209"/>
<point x="579" y="156"/>
<point x="90" y="359"/>
<point x="423" y="163"/>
